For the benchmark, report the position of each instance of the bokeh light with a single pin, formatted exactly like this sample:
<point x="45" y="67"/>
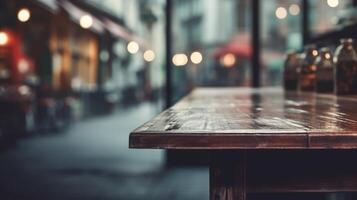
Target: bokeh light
<point x="228" y="60"/>
<point x="24" y="90"/>
<point x="23" y="15"/>
<point x="294" y="9"/>
<point x="315" y="52"/>
<point x="327" y="55"/>
<point x="3" y="38"/>
<point x="149" y="55"/>
<point x="133" y="47"/>
<point x="86" y="21"/>
<point x="23" y="66"/>
<point x="196" y="57"/>
<point x="281" y="13"/>
<point x="333" y="3"/>
<point x="179" y="59"/>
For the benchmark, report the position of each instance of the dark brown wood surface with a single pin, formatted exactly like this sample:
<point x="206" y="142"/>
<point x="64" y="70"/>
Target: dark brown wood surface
<point x="228" y="175"/>
<point x="277" y="171"/>
<point x="234" y="173"/>
<point x="244" y="118"/>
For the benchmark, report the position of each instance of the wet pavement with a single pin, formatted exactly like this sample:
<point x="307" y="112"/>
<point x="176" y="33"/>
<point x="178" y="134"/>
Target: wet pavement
<point x="91" y="160"/>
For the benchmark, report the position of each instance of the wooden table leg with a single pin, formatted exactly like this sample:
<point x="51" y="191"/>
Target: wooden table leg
<point x="227" y="175"/>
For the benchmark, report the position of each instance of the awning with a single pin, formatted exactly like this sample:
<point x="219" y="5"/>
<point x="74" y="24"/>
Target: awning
<point x="238" y="46"/>
<point x="50" y="5"/>
<point x="239" y="50"/>
<point x="100" y="23"/>
<point x="121" y="32"/>
<point x="117" y="30"/>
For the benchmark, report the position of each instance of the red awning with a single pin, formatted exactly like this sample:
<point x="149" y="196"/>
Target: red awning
<point x="239" y="50"/>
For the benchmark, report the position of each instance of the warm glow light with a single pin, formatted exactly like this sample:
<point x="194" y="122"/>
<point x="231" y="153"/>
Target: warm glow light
<point x="281" y="13"/>
<point x="133" y="47"/>
<point x="86" y="21"/>
<point x="23" y="66"/>
<point x="196" y="57"/>
<point x="327" y="55"/>
<point x="315" y="52"/>
<point x="228" y="60"/>
<point x="149" y="55"/>
<point x="294" y="9"/>
<point x="24" y="90"/>
<point x="23" y="15"/>
<point x="3" y="38"/>
<point x="333" y="3"/>
<point x="313" y="67"/>
<point x="179" y="59"/>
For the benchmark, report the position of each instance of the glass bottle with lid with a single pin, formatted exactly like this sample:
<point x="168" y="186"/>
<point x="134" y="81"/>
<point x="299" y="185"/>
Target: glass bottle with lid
<point x="291" y="72"/>
<point x="307" y="76"/>
<point x="325" y="71"/>
<point x="346" y="68"/>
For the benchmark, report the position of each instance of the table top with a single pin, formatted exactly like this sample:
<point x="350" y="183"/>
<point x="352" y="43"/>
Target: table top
<point x="247" y="118"/>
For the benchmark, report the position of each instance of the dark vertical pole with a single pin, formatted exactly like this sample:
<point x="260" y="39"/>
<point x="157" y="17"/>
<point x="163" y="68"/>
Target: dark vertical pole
<point x="168" y="92"/>
<point x="256" y="43"/>
<point x="305" y="22"/>
<point x="354" y="3"/>
<point x="227" y="175"/>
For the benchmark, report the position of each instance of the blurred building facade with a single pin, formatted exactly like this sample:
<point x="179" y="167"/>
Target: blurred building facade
<point x="72" y="57"/>
<point x="146" y="19"/>
<point x="221" y="31"/>
<point x="109" y="52"/>
<point x="203" y="26"/>
<point x="76" y="58"/>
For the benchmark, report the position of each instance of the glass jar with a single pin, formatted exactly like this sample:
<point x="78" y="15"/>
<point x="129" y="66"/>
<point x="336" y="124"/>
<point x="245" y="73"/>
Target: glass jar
<point x="325" y="71"/>
<point x="346" y="68"/>
<point x="307" y="76"/>
<point x="291" y="73"/>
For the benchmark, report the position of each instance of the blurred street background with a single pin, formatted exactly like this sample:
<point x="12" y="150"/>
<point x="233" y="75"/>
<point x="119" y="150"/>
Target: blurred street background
<point x="91" y="160"/>
<point x="77" y="76"/>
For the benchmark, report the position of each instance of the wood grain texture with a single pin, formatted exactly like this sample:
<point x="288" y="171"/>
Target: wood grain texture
<point x="245" y="118"/>
<point x="227" y="175"/>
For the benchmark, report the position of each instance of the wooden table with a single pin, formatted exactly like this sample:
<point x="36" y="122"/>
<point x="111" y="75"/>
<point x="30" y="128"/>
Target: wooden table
<point x="263" y="140"/>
